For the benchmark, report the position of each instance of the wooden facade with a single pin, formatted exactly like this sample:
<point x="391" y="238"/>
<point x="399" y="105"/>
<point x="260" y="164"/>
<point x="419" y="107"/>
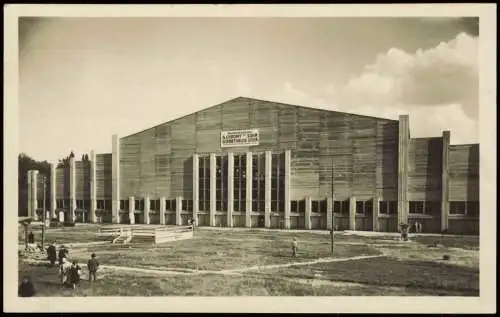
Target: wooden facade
<point x="352" y="159"/>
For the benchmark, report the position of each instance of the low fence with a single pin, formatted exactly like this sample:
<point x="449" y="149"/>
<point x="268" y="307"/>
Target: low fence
<point x="166" y="234"/>
<point x="148" y="234"/>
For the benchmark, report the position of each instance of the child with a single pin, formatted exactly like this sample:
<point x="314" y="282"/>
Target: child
<point x="74" y="275"/>
<point x="93" y="265"/>
<point x="65" y="267"/>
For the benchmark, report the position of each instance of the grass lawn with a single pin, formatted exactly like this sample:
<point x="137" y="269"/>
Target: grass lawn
<point x="411" y="268"/>
<point x="217" y="252"/>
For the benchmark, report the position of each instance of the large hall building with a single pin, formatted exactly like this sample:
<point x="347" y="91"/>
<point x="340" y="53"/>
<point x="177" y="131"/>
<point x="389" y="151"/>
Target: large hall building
<point x="255" y="163"/>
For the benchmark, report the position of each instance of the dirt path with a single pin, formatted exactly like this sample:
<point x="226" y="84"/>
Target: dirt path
<point x="224" y="272"/>
<point x="276" y="266"/>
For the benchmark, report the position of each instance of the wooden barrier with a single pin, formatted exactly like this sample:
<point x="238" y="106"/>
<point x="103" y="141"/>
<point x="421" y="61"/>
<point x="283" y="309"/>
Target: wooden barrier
<point x="165" y="234"/>
<point x="156" y="235"/>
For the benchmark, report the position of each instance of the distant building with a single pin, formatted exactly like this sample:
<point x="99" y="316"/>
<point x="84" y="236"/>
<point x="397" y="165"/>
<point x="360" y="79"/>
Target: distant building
<point x="254" y="163"/>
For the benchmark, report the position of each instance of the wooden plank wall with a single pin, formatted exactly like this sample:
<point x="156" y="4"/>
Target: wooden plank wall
<point x="464" y="172"/>
<point x="147" y="184"/>
<point x="425" y="169"/>
<point x="82" y="180"/>
<point x="39" y="188"/>
<point x="183" y="145"/>
<point x="305" y="156"/>
<point x="103" y="176"/>
<point x="387" y="159"/>
<point x="62" y="183"/>
<point x="364" y="149"/>
<point x="130" y="153"/>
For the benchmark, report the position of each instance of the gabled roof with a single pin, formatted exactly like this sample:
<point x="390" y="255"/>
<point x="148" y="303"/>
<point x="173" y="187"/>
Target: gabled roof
<point x="260" y="100"/>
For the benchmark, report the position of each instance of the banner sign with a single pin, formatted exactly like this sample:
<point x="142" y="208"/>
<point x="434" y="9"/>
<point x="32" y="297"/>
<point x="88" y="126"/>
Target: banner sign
<point x="239" y="138"/>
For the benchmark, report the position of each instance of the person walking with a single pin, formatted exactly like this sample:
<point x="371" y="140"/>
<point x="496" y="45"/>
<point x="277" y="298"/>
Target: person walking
<point x="404" y="232"/>
<point x="63" y="253"/>
<point x="65" y="266"/>
<point x="74" y="275"/>
<point x="52" y="254"/>
<point x="93" y="265"/>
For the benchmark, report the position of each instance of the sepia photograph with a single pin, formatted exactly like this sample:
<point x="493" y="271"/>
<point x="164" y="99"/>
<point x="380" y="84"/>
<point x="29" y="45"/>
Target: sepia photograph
<point x="238" y="155"/>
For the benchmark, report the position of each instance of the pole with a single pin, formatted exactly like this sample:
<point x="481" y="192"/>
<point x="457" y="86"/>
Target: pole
<point x="44" y="216"/>
<point x="333" y="213"/>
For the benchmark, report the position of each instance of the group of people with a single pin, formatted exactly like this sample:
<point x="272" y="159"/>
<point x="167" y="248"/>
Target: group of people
<point x="70" y="271"/>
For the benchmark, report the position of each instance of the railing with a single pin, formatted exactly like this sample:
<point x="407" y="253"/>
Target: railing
<point x="158" y="234"/>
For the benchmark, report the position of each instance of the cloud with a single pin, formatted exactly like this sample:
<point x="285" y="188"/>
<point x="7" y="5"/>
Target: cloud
<point x="446" y="74"/>
<point x="437" y="87"/>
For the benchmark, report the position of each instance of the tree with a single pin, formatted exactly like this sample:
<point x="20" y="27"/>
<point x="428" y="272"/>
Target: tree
<point x="25" y="164"/>
<point x="64" y="162"/>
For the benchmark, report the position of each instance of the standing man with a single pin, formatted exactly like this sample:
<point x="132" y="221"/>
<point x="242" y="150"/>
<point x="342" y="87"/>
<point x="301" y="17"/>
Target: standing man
<point x="92" y="266"/>
<point x="31" y="238"/>
<point x="295" y="246"/>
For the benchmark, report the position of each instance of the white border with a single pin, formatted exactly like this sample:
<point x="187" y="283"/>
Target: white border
<point x="485" y="303"/>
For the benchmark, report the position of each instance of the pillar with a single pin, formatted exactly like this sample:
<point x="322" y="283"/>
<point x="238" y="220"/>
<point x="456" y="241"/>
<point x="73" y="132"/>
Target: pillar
<point x="307" y="220"/>
<point x="93" y="188"/>
<point x="30" y="196"/>
<point x="329" y="213"/>
<point x="403" y="141"/>
<point x="288" y="160"/>
<point x="131" y="210"/>
<point x="267" y="186"/>
<point x="230" y="188"/>
<point x="352" y="213"/>
<point x="146" y="210"/>
<point x="163" y="208"/>
<point x="178" y="210"/>
<point x="445" y="204"/>
<point x="196" y="183"/>
<point x="34" y="193"/>
<point x="72" y="189"/>
<point x="376" y="213"/>
<point x="213" y="178"/>
<point x="52" y="193"/>
<point x="115" y="180"/>
<point x="248" y="198"/>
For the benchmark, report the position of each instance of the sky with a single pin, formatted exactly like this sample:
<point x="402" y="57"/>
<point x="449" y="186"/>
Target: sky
<point x="81" y="80"/>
